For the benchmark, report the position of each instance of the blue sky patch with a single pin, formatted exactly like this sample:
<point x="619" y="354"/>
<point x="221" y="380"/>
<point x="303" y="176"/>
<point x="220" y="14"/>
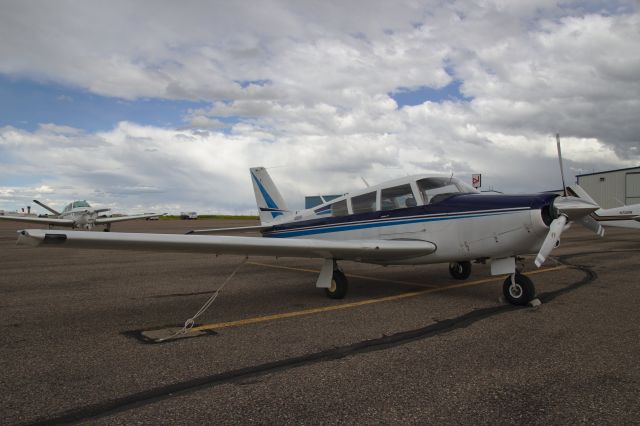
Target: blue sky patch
<point x="26" y="103"/>
<point x="420" y="95"/>
<point x="246" y="83"/>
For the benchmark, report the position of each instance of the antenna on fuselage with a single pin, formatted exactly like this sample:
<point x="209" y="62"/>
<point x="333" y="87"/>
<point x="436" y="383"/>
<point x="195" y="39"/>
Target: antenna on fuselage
<point x="365" y="182"/>
<point x="564" y="186"/>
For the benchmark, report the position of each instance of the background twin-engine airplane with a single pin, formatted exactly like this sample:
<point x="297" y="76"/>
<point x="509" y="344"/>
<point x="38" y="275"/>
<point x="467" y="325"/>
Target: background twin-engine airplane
<point x="625" y="216"/>
<point x="76" y="215"/>
<point x="409" y="221"/>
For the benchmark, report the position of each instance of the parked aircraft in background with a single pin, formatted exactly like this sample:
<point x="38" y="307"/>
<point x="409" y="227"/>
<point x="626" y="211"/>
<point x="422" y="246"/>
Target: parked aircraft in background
<point x="627" y="216"/>
<point x="76" y="215"/>
<point x="409" y="221"/>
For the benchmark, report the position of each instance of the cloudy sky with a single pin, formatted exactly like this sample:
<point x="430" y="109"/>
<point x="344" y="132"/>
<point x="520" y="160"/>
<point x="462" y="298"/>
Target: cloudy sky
<point x="163" y="106"/>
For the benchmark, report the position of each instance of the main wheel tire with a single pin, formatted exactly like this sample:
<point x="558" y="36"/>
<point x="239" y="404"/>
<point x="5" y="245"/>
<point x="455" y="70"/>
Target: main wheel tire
<point x="521" y="293"/>
<point x="460" y="270"/>
<point x="339" y="286"/>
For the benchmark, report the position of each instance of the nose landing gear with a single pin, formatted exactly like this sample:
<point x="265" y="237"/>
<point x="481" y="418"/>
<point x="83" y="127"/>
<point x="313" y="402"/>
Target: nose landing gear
<point x="518" y="289"/>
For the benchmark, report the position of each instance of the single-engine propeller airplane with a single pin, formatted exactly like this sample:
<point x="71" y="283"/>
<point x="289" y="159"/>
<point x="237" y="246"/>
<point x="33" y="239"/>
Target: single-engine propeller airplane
<point x="408" y="221"/>
<point x="76" y="215"/>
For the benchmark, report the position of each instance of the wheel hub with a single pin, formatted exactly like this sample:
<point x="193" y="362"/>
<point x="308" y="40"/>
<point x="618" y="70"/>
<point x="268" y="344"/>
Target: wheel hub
<point x="515" y="290"/>
<point x="333" y="286"/>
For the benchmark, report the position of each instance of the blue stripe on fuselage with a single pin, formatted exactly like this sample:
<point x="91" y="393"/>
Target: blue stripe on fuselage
<point x="462" y="206"/>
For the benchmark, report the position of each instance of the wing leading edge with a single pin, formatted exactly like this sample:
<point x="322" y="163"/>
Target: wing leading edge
<point x="359" y="250"/>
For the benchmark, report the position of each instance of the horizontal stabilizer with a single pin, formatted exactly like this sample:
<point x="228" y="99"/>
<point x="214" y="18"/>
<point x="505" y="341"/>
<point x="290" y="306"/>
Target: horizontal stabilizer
<point x="360" y="250"/>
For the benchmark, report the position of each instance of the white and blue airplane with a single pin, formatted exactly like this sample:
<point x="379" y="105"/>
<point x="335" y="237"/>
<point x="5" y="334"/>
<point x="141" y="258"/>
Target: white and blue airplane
<point x="76" y="215"/>
<point x="409" y="221"/>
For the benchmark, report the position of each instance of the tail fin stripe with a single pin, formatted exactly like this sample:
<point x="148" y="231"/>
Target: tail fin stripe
<point x="267" y="198"/>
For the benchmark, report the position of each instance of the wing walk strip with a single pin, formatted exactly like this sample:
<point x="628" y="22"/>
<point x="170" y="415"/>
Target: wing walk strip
<point x="323" y="309"/>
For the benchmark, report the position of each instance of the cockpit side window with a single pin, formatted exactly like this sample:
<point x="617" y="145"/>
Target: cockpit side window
<point x="434" y="190"/>
<point x="364" y="203"/>
<point x="339" y="208"/>
<point x="397" y="197"/>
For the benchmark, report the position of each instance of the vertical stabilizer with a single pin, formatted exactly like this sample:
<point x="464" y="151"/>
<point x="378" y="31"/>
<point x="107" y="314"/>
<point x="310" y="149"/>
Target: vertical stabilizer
<point x="271" y="205"/>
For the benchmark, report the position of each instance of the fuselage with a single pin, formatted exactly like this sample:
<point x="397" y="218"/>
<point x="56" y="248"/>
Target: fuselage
<point x="463" y="224"/>
<point x="81" y="213"/>
<point x="622" y="217"/>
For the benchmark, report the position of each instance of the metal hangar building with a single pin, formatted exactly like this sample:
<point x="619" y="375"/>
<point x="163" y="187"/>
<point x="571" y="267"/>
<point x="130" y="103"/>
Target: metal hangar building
<point x="612" y="188"/>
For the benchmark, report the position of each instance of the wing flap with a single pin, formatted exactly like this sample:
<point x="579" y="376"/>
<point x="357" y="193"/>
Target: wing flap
<point x="361" y="250"/>
<point x="234" y="229"/>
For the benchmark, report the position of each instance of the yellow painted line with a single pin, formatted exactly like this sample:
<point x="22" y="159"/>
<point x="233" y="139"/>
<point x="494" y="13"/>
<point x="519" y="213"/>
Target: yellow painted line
<point x="316" y="271"/>
<point x="357" y="304"/>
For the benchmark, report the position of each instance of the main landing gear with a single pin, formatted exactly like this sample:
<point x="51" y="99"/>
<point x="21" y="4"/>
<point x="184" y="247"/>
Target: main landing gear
<point x="332" y="280"/>
<point x="339" y="285"/>
<point x="460" y="270"/>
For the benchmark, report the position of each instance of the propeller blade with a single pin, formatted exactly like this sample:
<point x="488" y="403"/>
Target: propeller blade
<point x="592" y="225"/>
<point x="564" y="186"/>
<point x="552" y="239"/>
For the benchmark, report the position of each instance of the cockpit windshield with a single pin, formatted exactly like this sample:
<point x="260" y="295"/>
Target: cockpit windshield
<point x="76" y="205"/>
<point x="436" y="189"/>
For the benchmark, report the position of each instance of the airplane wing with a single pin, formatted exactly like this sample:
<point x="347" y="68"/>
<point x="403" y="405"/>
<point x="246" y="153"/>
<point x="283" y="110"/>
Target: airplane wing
<point x="105" y="220"/>
<point x="637" y="218"/>
<point x="235" y="229"/>
<point x="359" y="250"/>
<point x="43" y="220"/>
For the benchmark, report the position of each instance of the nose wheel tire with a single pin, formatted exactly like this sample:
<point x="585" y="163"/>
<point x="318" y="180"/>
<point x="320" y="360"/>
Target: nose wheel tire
<point x="519" y="292"/>
<point x="339" y="286"/>
<point x="460" y="270"/>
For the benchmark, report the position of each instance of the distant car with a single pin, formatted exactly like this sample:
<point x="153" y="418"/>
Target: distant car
<point x="188" y="215"/>
<point x="152" y="217"/>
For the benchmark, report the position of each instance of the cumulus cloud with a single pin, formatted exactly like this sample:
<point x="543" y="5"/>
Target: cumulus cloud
<point x="306" y="86"/>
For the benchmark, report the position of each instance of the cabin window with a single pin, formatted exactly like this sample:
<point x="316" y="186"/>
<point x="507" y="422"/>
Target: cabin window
<point x="397" y="197"/>
<point x="323" y="210"/>
<point x="434" y="190"/>
<point x="364" y="203"/>
<point x="339" y="208"/>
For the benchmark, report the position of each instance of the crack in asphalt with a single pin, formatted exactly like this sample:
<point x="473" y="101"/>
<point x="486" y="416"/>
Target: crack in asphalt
<point x="160" y="393"/>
